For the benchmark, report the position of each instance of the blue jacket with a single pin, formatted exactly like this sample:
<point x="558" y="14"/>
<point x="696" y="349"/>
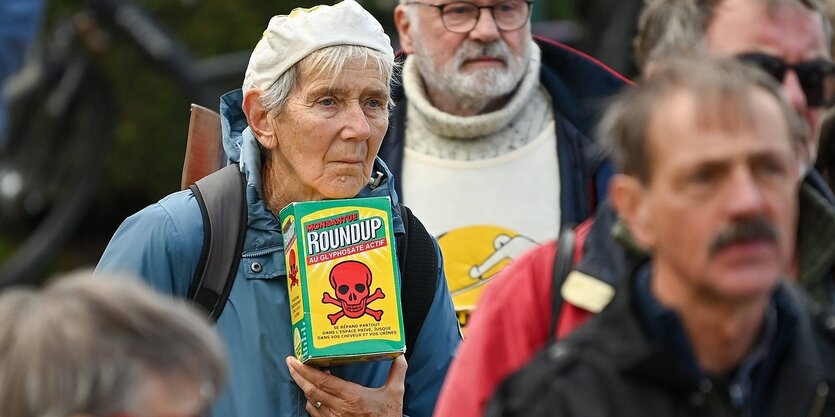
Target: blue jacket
<point x="162" y="243"/>
<point x="579" y="86"/>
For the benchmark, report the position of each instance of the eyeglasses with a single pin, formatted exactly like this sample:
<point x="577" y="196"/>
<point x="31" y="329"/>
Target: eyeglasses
<point x="462" y="16"/>
<point x="817" y="77"/>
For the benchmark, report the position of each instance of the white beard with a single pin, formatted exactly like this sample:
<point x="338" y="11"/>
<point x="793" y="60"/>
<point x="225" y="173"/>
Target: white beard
<point x="480" y="84"/>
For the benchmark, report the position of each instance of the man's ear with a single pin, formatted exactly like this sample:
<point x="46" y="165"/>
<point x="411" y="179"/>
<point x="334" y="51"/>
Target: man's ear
<point x="258" y="119"/>
<point x="630" y="199"/>
<point x="401" y="21"/>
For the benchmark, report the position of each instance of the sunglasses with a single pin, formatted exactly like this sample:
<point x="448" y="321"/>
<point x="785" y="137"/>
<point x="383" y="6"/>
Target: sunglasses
<point x="817" y="77"/>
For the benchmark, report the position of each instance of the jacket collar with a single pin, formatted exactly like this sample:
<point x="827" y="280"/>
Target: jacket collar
<point x="579" y="84"/>
<point x="609" y="253"/>
<point x="794" y="354"/>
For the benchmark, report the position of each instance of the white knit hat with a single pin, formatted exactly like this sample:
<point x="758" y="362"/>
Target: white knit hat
<point x="290" y="38"/>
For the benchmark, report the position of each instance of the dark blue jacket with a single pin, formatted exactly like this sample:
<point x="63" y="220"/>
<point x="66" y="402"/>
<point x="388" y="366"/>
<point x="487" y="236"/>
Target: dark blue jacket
<point x="578" y="85"/>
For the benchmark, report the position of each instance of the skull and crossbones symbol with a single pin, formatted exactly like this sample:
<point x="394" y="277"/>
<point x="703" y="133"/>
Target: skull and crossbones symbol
<point x="294" y="270"/>
<point x="350" y="280"/>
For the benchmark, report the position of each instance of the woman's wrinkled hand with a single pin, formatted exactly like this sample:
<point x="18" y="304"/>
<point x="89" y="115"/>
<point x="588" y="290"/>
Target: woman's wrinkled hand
<point x="328" y="395"/>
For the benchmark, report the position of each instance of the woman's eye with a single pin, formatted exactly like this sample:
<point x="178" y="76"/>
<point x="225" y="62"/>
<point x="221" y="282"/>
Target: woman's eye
<point x="327" y="101"/>
<point x="375" y="103"/>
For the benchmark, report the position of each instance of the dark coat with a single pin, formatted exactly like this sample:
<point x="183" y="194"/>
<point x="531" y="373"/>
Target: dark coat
<point x="610" y="367"/>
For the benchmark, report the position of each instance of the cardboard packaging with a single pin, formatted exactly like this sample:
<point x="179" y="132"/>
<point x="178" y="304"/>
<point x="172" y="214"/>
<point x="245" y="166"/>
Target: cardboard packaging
<point x="342" y="280"/>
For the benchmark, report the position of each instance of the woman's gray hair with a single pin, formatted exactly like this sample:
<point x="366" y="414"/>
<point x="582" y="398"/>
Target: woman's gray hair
<point x="88" y="345"/>
<point x="323" y="62"/>
<point x="678" y="26"/>
<point x="721" y="89"/>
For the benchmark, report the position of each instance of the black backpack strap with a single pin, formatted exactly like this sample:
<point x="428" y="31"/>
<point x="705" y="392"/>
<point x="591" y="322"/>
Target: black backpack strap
<point x="562" y="266"/>
<point x="220" y="196"/>
<point x="418" y="275"/>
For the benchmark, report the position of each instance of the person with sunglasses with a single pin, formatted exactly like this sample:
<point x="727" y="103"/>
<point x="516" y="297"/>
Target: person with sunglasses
<point x="788" y="39"/>
<point x="491" y="137"/>
<point x="518" y="309"/>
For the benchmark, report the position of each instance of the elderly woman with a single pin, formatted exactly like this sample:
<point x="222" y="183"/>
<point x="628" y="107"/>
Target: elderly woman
<point x="306" y="126"/>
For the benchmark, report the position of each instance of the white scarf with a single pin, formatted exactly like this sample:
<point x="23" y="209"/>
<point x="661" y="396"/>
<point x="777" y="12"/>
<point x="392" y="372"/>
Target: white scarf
<point x="435" y="133"/>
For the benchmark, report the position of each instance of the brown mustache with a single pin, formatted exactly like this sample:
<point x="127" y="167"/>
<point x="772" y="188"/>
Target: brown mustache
<point x="745" y="230"/>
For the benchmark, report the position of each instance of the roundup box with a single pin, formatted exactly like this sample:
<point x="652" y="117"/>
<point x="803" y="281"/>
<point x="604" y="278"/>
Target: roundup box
<point x="343" y="285"/>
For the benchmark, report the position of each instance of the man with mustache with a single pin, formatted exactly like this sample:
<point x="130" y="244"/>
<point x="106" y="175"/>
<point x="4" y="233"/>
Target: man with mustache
<point x="707" y="157"/>
<point x="515" y="320"/>
<point x="491" y="137"/>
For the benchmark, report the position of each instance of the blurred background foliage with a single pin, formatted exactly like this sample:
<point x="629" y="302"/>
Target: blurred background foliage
<point x="145" y="161"/>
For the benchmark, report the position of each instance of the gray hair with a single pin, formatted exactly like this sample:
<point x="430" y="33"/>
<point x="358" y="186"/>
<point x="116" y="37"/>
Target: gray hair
<point x="679" y="26"/>
<point x="326" y="61"/>
<point x="87" y="345"/>
<point x="723" y="88"/>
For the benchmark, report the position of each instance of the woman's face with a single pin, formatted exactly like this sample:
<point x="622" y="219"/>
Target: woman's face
<point x="329" y="132"/>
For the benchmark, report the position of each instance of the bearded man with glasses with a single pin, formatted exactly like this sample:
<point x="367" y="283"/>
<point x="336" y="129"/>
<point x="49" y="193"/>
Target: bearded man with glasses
<point x="491" y="137"/>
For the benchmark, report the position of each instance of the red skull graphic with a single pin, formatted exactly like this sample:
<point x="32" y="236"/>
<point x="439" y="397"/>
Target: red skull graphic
<point x="351" y="281"/>
<point x="294" y="269"/>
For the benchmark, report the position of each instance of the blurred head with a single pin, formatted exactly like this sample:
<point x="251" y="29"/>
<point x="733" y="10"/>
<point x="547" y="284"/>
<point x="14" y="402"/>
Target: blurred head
<point x="467" y="50"/>
<point x="706" y="151"/>
<point x="105" y="346"/>
<point x="788" y="39"/>
<point x="317" y="101"/>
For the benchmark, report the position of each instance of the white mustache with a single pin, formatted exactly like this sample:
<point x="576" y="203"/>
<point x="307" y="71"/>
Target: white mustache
<point x="470" y="50"/>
